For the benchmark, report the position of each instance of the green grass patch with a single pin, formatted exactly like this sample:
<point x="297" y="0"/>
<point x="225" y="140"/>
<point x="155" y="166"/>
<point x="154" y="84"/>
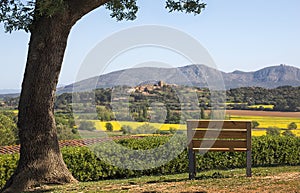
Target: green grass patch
<point x="268" y="178"/>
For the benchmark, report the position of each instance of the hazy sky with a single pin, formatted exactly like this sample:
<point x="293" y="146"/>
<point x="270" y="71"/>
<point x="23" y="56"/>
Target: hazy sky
<point x="238" y="34"/>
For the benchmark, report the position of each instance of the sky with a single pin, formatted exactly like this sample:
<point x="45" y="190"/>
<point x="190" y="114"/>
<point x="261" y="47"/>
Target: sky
<point x="238" y="35"/>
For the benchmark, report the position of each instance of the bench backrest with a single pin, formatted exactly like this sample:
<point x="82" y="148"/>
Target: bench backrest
<point x="219" y="135"/>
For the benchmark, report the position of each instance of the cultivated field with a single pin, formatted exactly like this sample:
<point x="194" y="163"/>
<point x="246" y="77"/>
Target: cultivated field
<point x="267" y="119"/>
<point x="100" y="125"/>
<point x="264" y="113"/>
<point x="264" y="118"/>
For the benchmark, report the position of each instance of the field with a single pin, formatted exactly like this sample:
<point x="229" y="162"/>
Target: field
<point x="118" y="124"/>
<point x="267" y="119"/>
<point x="252" y="106"/>
<point x="263" y="106"/>
<point x="264" y="118"/>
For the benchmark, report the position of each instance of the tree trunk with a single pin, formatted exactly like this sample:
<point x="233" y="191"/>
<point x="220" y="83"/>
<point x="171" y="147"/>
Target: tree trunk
<point x="40" y="158"/>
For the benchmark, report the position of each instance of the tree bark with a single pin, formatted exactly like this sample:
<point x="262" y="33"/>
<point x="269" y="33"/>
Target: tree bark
<point x="40" y="158"/>
<point x="41" y="161"/>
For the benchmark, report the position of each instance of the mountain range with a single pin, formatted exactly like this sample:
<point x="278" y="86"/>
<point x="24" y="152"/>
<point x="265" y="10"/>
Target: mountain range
<point x="192" y="75"/>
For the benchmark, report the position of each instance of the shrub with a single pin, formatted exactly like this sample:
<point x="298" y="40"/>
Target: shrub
<point x="274" y="131"/>
<point x="86" y="166"/>
<point x="275" y="150"/>
<point x="8" y="130"/>
<point x="87" y="125"/>
<point x="109" y="127"/>
<point x="254" y="124"/>
<point x="145" y="129"/>
<point x="288" y="133"/>
<point x="8" y="163"/>
<point x="162" y="132"/>
<point x="126" y="129"/>
<point x="172" y="130"/>
<point x="292" y="125"/>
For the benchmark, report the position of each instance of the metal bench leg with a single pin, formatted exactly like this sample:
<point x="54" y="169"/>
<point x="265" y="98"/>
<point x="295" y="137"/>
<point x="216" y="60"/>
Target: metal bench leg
<point x="248" y="170"/>
<point x="192" y="164"/>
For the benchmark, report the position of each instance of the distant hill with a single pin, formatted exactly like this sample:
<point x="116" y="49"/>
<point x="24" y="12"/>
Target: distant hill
<point x="192" y="75"/>
<point x="269" y="77"/>
<point x="9" y="91"/>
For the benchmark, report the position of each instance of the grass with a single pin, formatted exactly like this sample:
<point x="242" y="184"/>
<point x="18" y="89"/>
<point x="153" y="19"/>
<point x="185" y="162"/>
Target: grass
<point x="265" y="179"/>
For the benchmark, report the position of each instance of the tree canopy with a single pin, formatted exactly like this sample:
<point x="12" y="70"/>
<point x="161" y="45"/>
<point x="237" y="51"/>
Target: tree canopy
<point x="18" y="15"/>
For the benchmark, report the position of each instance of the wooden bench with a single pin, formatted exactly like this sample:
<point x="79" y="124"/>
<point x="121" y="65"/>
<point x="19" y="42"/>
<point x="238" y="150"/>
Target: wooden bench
<point x="218" y="135"/>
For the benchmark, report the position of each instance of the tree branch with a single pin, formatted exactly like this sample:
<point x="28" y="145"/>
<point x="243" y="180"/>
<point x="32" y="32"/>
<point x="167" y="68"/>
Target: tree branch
<point x="79" y="8"/>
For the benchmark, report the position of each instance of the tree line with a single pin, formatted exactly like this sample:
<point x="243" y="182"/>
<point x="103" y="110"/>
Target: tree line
<point x="284" y="98"/>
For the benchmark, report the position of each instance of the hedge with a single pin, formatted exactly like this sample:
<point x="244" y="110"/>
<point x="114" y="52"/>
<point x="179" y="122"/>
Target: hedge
<point x="86" y="166"/>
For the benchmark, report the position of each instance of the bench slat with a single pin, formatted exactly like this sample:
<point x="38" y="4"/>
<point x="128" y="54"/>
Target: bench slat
<point x="217" y="124"/>
<point x="220" y="149"/>
<point x="221" y="134"/>
<point x="219" y="144"/>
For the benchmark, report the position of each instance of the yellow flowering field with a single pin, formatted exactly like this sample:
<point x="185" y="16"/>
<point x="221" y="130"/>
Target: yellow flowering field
<point x="100" y="125"/>
<point x="264" y="122"/>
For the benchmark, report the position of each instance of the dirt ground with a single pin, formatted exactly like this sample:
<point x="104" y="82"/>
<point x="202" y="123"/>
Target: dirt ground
<point x="263" y="113"/>
<point x="285" y="182"/>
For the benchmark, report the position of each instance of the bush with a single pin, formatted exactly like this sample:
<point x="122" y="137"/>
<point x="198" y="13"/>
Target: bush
<point x="86" y="166"/>
<point x="8" y="129"/>
<point x="126" y="129"/>
<point x="254" y="124"/>
<point x="275" y="150"/>
<point x="145" y="129"/>
<point x="66" y="133"/>
<point x="292" y="125"/>
<point x="274" y="131"/>
<point x="109" y="127"/>
<point x="172" y="130"/>
<point x="162" y="132"/>
<point x="8" y="163"/>
<point x="288" y="133"/>
<point x="87" y="125"/>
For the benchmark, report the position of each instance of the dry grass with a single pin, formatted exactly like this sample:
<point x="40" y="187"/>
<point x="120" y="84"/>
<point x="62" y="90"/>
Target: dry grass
<point x="273" y="179"/>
